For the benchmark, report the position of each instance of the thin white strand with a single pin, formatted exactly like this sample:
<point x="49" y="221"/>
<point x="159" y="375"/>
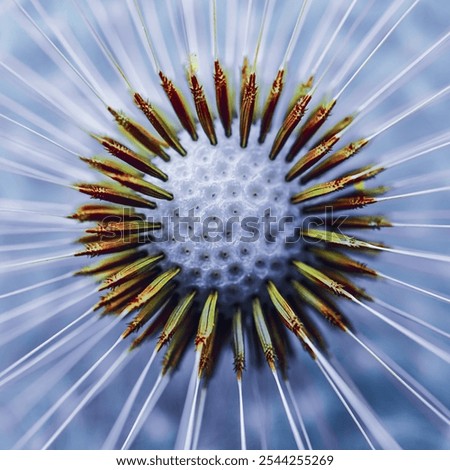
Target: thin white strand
<point x="366" y="40"/>
<point x="293" y="40"/>
<point x="357" y="403"/>
<point x="51" y="95"/>
<point x="317" y="40"/>
<point x="116" y="367"/>
<point x="33" y="217"/>
<point x="115" y="43"/>
<point x="61" y="104"/>
<point x="322" y="366"/>
<point x="66" y="73"/>
<point x="184" y="30"/>
<point x="298" y="414"/>
<point x="342" y="47"/>
<point x="45" y="417"/>
<point x="361" y="406"/>
<point x="59" y="52"/>
<point x="261" y="32"/>
<point x="53" y="280"/>
<point x="193" y="408"/>
<point x="247" y="28"/>
<point x="34" y="231"/>
<point x="33" y="206"/>
<point x="182" y="427"/>
<point x="377" y="47"/>
<point x="34" y="262"/>
<point x="58" y="350"/>
<point x="160" y="38"/>
<point x="102" y="46"/>
<point x="333" y="37"/>
<point x="42" y="136"/>
<point x="410" y="380"/>
<point x="34" y="304"/>
<point x="20" y="327"/>
<point x="150" y="402"/>
<point x="402" y="225"/>
<point x="199" y="419"/>
<point x="31" y="353"/>
<point x="13" y="167"/>
<point x="24" y="327"/>
<point x="390" y="84"/>
<point x="412" y="253"/>
<point x="413" y="194"/>
<point x="408" y="316"/>
<point x="241" y="416"/>
<point x="35" y="245"/>
<point x="119" y="424"/>
<point x="67" y="44"/>
<point x="432" y="178"/>
<point x="189" y="18"/>
<point x="441" y="415"/>
<point x="213" y="13"/>
<point x="404" y="214"/>
<point x="292" y="425"/>
<point x="409" y="112"/>
<point x="38" y="157"/>
<point x="399" y="161"/>
<point x="262" y="428"/>
<point x="415" y="288"/>
<point x="409" y="334"/>
<point x="32" y="116"/>
<point x="40" y="387"/>
<point x="141" y="25"/>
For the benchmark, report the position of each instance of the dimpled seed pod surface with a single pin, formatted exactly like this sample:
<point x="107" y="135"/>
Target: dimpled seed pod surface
<point x="224" y="224"/>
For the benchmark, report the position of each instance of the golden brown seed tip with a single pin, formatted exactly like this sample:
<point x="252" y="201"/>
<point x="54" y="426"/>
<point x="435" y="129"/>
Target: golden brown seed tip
<point x="311" y="158"/>
<point x="320" y="305"/>
<point x="247" y="108"/>
<point x="238" y="344"/>
<point x="263" y="333"/>
<point x="289" y="124"/>
<point x="151" y="290"/>
<point x="159" y="123"/>
<point x="101" y="247"/>
<point x="311" y="126"/>
<point x="202" y="108"/>
<point x="100" y="212"/>
<point x="111" y="263"/>
<point x="109" y="193"/>
<point x="335" y="159"/>
<point x="341" y="261"/>
<point x="179" y="105"/>
<point x="127" y="155"/>
<point x="342" y="203"/>
<point x="131" y="271"/>
<point x="224" y="105"/>
<point x="140" y="134"/>
<point x="336" y="129"/>
<point x="271" y="105"/>
<point x="148" y="310"/>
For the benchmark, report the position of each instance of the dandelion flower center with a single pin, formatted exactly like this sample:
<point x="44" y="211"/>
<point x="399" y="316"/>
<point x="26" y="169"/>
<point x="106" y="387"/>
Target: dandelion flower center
<point x="230" y="224"/>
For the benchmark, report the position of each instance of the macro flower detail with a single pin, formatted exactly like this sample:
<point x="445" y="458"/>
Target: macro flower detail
<point x="250" y="248"/>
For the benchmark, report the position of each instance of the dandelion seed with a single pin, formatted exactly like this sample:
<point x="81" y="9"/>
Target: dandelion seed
<point x="240" y="248"/>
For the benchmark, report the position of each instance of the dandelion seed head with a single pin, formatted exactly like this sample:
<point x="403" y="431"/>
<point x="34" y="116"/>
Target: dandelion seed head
<point x="215" y="297"/>
<point x="215" y="223"/>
